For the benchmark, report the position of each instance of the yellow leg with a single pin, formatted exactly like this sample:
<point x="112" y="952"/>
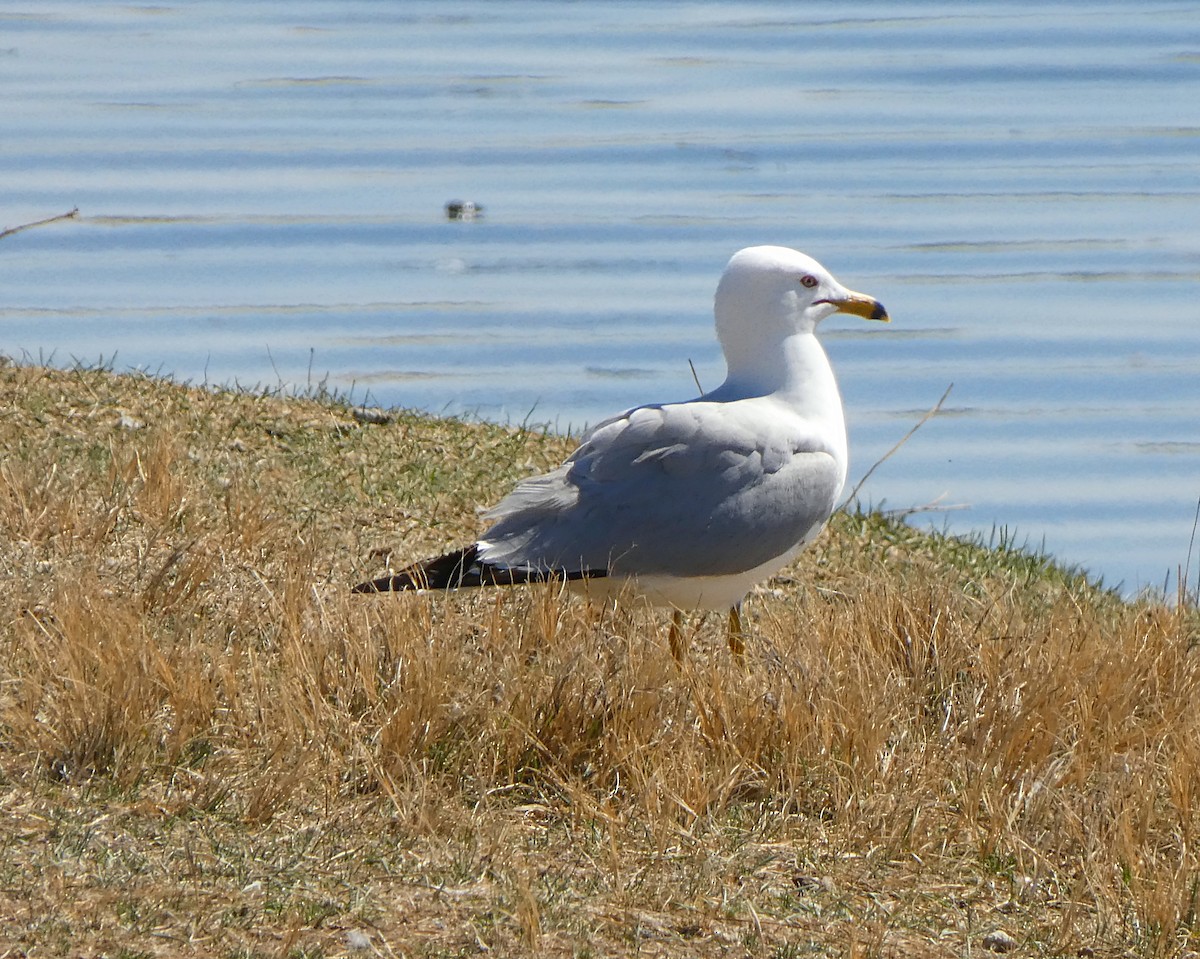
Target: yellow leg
<point x="737" y="633"/>
<point x="676" y="636"/>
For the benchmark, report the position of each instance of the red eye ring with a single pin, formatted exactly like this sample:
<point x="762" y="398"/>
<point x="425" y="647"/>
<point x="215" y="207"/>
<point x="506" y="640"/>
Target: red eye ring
<point x="808" y="280"/>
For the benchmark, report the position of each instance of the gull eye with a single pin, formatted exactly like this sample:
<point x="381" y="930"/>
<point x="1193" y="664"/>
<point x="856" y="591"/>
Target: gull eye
<point x="808" y="280"/>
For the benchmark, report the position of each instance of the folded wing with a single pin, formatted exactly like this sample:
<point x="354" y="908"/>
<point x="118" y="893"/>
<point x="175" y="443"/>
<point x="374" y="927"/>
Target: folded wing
<point x="690" y="489"/>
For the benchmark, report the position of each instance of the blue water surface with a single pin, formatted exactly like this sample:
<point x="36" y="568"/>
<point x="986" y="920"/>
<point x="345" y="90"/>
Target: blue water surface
<point x="261" y="190"/>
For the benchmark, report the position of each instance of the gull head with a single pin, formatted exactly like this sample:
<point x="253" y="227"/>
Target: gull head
<point x="772" y="292"/>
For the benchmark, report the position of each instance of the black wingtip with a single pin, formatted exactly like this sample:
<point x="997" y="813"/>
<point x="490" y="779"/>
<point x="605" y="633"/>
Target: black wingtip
<point x="462" y="569"/>
<point x="449" y="571"/>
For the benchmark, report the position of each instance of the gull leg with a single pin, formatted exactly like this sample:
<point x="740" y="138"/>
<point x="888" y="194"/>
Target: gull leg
<point x="675" y="636"/>
<point x="737" y="633"/>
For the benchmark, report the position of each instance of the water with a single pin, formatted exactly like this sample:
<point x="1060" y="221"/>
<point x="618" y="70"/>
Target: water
<point x="261" y="190"/>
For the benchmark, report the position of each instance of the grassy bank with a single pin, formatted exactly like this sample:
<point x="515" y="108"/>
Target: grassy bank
<point x="209" y="748"/>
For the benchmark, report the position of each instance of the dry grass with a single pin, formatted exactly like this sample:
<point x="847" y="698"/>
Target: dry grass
<point x="209" y="748"/>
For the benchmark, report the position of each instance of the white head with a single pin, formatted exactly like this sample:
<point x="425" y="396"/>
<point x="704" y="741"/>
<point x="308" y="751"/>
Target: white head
<point x="769" y="293"/>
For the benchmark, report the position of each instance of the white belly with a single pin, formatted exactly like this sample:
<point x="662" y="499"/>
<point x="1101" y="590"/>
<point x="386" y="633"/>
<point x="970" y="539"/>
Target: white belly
<point x="686" y="592"/>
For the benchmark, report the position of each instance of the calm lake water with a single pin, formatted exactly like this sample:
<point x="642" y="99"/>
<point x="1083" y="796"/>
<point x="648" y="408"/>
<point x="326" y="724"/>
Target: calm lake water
<point x="261" y="191"/>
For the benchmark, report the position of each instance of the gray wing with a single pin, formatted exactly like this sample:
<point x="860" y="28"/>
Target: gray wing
<point x="688" y="489"/>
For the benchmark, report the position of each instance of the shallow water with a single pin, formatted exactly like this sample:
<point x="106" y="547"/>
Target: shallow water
<point x="261" y="190"/>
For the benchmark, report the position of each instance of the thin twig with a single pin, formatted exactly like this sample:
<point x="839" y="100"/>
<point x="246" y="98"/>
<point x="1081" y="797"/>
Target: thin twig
<point x="69" y="215"/>
<point x="904" y="439"/>
<point x="1187" y="565"/>
<point x="933" y="506"/>
<point x="695" y="377"/>
<point x="271" y="359"/>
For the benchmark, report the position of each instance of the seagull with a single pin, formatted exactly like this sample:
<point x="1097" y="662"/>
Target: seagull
<point x="689" y="505"/>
